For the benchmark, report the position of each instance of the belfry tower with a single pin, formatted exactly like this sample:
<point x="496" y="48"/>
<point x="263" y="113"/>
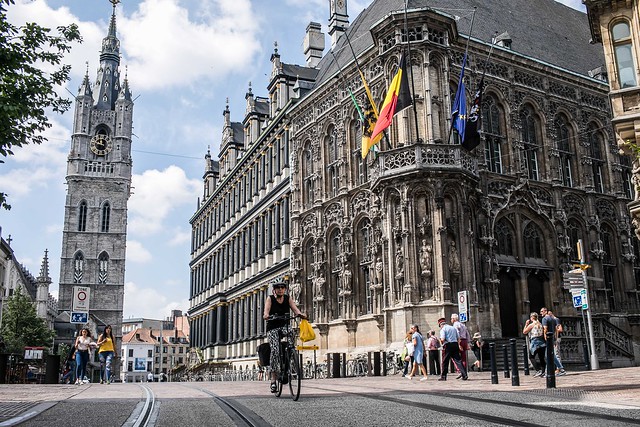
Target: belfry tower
<point x="98" y="189"/>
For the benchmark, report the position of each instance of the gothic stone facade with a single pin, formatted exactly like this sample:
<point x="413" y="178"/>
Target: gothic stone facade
<point x="380" y="243"/>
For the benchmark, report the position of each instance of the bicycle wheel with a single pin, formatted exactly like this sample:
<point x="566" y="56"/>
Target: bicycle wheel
<point x="294" y="375"/>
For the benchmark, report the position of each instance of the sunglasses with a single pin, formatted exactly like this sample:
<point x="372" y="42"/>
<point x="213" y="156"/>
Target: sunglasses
<point x="279" y="287"/>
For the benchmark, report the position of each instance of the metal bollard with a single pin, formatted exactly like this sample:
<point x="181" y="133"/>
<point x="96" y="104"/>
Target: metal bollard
<point x="585" y="353"/>
<point x="505" y="360"/>
<point x="376" y="364"/>
<point x="335" y="365"/>
<point x="525" y="354"/>
<point x="515" y="377"/>
<point x="494" y="368"/>
<point x="551" y="365"/>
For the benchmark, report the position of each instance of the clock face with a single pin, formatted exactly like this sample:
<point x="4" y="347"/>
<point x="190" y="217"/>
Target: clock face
<point x="340" y="4"/>
<point x="100" y="144"/>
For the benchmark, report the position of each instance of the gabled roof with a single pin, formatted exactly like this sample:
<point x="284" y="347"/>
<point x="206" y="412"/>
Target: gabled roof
<point x="542" y="29"/>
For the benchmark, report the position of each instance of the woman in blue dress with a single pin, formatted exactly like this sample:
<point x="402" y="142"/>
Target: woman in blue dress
<point x="418" y="353"/>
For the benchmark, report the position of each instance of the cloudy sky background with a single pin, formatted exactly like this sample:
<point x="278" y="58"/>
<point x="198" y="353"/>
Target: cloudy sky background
<point x="183" y="59"/>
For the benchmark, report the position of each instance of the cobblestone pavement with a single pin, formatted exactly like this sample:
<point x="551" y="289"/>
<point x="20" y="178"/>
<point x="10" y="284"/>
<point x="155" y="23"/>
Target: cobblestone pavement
<point x="615" y="387"/>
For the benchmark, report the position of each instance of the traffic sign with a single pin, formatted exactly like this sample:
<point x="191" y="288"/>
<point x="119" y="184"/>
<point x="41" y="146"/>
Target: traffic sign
<point x="583" y="296"/>
<point x="577" y="301"/>
<point x="463" y="317"/>
<point x="79" y="317"/>
<point x="80" y="298"/>
<point x="463" y="301"/>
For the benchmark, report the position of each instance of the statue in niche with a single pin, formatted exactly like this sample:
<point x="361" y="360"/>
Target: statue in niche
<point x="399" y="262"/>
<point x="454" y="259"/>
<point x="318" y="288"/>
<point x="346" y="281"/>
<point x="425" y="258"/>
<point x="294" y="291"/>
<point x="379" y="271"/>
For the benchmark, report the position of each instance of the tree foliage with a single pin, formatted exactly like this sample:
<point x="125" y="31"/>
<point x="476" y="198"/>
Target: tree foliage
<point x="21" y="326"/>
<point x="30" y="73"/>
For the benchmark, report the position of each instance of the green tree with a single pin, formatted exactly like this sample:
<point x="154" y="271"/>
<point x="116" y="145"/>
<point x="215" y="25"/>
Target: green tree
<point x="30" y="73"/>
<point x="21" y="326"/>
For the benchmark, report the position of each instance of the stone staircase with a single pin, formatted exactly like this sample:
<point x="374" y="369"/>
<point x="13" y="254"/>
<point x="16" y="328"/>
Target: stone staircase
<point x="614" y="346"/>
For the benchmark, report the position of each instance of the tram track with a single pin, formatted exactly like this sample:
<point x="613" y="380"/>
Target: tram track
<point x="238" y="413"/>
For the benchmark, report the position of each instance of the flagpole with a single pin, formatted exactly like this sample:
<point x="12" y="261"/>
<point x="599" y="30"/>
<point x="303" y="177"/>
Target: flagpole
<point x="366" y="87"/>
<point x="466" y="51"/>
<point x="413" y="88"/>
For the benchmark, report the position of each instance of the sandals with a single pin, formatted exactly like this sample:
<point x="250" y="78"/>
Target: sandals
<point x="274" y="387"/>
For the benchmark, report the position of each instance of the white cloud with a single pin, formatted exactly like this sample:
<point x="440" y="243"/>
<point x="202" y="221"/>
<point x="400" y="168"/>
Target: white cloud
<point x="149" y="302"/>
<point x="156" y="194"/>
<point x="137" y="253"/>
<point x="166" y="47"/>
<point x="575" y="4"/>
<point x="180" y="237"/>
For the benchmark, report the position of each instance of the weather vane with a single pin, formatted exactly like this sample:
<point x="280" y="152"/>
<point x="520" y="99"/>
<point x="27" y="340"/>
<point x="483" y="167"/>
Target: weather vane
<point x="114" y="2"/>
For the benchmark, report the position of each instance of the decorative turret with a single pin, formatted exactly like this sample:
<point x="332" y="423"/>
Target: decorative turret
<point x="211" y="174"/>
<point x="338" y="19"/>
<point x="84" y="101"/>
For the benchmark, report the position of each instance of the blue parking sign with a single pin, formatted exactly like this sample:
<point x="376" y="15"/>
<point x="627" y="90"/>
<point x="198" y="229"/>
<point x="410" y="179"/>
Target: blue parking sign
<point x="577" y="301"/>
<point x="463" y="317"/>
<point x="79" y="317"/>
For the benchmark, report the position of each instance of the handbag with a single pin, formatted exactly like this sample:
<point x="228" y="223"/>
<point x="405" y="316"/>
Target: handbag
<point x="410" y="348"/>
<point x="407" y="359"/>
<point x="306" y="331"/>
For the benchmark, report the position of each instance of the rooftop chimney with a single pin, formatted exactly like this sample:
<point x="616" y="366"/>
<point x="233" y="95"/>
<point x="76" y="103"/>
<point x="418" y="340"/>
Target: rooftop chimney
<point x="313" y="44"/>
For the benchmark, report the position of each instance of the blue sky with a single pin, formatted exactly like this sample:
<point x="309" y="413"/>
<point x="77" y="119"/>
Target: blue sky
<point x="184" y="58"/>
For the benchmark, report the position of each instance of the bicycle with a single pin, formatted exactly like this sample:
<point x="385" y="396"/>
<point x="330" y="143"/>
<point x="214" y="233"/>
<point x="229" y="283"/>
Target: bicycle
<point x="290" y="371"/>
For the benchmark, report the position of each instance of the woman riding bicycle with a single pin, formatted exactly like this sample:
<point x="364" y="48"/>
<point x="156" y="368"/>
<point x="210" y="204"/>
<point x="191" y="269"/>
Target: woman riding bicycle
<point x="277" y="304"/>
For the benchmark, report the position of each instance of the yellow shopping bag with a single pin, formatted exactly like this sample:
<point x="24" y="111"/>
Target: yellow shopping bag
<point x="306" y="331"/>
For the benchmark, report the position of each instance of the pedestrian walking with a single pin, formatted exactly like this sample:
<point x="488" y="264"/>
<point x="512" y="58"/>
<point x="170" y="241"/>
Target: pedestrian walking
<point x="476" y="347"/>
<point x="82" y="345"/>
<point x="465" y="338"/>
<point x="433" y="347"/>
<point x="535" y="331"/>
<point x="107" y="353"/>
<point x="407" y="354"/>
<point x="450" y="341"/>
<point x="418" y="353"/>
<point x="550" y="321"/>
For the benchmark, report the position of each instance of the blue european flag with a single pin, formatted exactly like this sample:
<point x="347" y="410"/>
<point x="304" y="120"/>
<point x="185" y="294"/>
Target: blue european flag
<point x="459" y="109"/>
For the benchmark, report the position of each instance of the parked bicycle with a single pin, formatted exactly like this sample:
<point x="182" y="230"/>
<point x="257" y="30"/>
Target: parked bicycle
<point x="290" y="372"/>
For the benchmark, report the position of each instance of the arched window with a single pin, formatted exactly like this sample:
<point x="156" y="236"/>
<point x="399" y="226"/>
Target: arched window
<point x="609" y="256"/>
<point x="82" y="216"/>
<point x="494" y="136"/>
<point x="597" y="158"/>
<point x="361" y="172"/>
<point x="563" y="143"/>
<point x="78" y="267"/>
<point x="307" y="176"/>
<point x="532" y="237"/>
<point x="106" y="217"/>
<point x="333" y="154"/>
<point x="530" y="140"/>
<point x="364" y="255"/>
<point x="574" y="232"/>
<point x="504" y="236"/>
<point x="334" y="280"/>
<point x="623" y="51"/>
<point x="103" y="267"/>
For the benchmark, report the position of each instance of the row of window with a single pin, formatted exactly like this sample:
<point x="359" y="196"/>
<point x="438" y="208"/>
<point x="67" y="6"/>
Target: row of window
<point x="79" y="267"/>
<point x="265" y="169"/>
<point x="266" y="233"/>
<point x="334" y="173"/>
<point x="105" y="216"/>
<point x="534" y="154"/>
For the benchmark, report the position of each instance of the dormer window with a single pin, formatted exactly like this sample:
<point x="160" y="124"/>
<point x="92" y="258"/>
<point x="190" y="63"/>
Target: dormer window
<point x="623" y="50"/>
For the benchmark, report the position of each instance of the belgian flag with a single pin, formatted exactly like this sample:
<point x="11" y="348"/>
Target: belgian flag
<point x="398" y="98"/>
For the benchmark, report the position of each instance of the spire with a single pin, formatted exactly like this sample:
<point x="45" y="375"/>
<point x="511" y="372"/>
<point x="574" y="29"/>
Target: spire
<point x="44" y="269"/>
<point x="85" y="87"/>
<point x="107" y="85"/>
<point x="125" y="92"/>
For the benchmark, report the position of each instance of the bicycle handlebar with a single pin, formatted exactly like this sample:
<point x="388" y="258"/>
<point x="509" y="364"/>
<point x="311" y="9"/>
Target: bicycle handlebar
<point x="284" y="317"/>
